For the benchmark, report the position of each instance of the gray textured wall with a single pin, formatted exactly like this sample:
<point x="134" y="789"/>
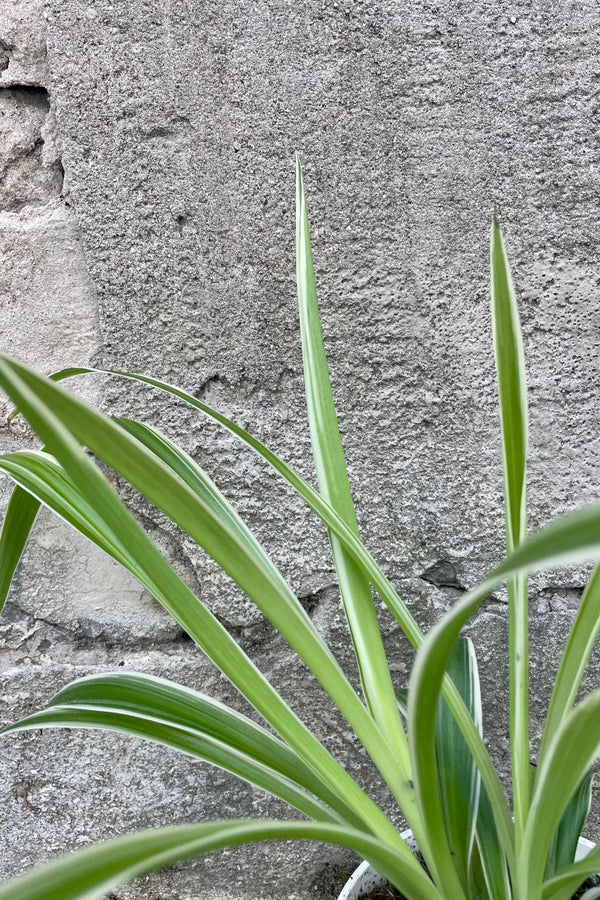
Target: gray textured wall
<point x="147" y="220"/>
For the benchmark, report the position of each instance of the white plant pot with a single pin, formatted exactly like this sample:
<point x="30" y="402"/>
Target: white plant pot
<point x="365" y="878"/>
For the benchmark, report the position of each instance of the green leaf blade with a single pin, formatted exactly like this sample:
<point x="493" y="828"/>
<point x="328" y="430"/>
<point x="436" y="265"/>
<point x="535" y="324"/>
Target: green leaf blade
<point x="565" y="883"/>
<point x="359" y="553"/>
<point x="193" y="723"/>
<point x="492" y="857"/>
<point x="20" y="516"/>
<point x="29" y="391"/>
<point x="333" y="480"/>
<point x="512" y="395"/>
<point x="89" y="874"/>
<point x="457" y="773"/>
<point x="574" y="749"/>
<point x="571" y="538"/>
<point x="576" y="655"/>
<point x="312" y="498"/>
<point x="564" y="845"/>
<point x="512" y="389"/>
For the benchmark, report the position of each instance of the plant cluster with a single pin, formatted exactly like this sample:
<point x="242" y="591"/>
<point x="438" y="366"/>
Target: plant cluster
<point x="434" y="759"/>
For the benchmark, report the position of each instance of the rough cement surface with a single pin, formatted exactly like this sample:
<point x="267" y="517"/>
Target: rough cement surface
<point x="176" y="128"/>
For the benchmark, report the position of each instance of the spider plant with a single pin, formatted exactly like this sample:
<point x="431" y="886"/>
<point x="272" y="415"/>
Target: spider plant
<point x="473" y="843"/>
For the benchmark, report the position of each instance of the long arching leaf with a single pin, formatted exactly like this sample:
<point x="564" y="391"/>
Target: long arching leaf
<point x="159" y="578"/>
<point x="360" y="554"/>
<point x="197" y="479"/>
<point x="186" y="720"/>
<point x="201" y="521"/>
<point x="38" y="475"/>
<point x="571" y="538"/>
<point x="91" y="873"/>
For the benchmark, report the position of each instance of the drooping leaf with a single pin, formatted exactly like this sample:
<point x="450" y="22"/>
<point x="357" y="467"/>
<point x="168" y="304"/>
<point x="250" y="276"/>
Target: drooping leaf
<point x="89" y="874"/>
<point x="38" y="475"/>
<point x="158" y="577"/>
<point x="378" y="579"/>
<point x="186" y="720"/>
<point x="312" y="498"/>
<point x="188" y="470"/>
<point x="359" y="553"/>
<point x="203" y="487"/>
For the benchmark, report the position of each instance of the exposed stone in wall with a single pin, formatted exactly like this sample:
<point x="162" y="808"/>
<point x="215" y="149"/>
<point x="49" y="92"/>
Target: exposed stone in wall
<point x="47" y="304"/>
<point x="23" y="57"/>
<point x="31" y="172"/>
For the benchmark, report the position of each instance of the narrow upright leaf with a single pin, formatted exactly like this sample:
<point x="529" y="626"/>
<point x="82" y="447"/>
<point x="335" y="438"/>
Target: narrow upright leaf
<point x="564" y="844"/>
<point x="328" y="454"/>
<point x="492" y="856"/>
<point x="18" y="522"/>
<point x="512" y="395"/>
<point x="457" y="773"/>
<point x="578" y="649"/>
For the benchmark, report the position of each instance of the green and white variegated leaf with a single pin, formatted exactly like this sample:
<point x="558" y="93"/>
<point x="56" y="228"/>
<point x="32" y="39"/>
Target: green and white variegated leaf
<point x="574" y="749"/>
<point x="580" y="643"/>
<point x="91" y="873"/>
<point x="564" y="844"/>
<point x="512" y="398"/>
<point x="200" y="483"/>
<point x="565" y="883"/>
<point x="20" y="515"/>
<point x="484" y="869"/>
<point x="118" y="530"/>
<point x="571" y="538"/>
<point x="186" y="720"/>
<point x="492" y="857"/>
<point x="328" y="454"/>
<point x="457" y="773"/>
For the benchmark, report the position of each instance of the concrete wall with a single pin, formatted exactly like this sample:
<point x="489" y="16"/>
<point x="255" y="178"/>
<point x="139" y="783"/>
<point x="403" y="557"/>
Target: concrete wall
<point x="147" y="222"/>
